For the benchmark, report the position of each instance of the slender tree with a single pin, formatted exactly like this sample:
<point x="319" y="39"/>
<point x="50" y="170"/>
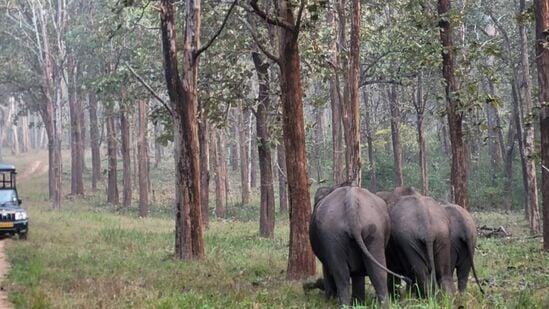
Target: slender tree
<point x="301" y="260"/>
<point x="267" y="205"/>
<point x="126" y="158"/>
<point x="455" y="115"/>
<point x="143" y="158"/>
<point x="542" y="57"/>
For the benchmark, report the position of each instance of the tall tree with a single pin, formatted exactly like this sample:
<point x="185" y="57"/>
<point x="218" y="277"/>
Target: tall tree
<point x="77" y="141"/>
<point x="182" y="90"/>
<point x="112" y="145"/>
<point x="355" y="167"/>
<point x="542" y="57"/>
<point x="395" y="135"/>
<point x="204" y="138"/>
<point x="267" y="205"/>
<point x="126" y="158"/>
<point x="455" y="115"/>
<point x="529" y="147"/>
<point x="419" y="105"/>
<point x="143" y="158"/>
<point x="94" y="139"/>
<point x="301" y="260"/>
<point x="335" y="104"/>
<point x="244" y="114"/>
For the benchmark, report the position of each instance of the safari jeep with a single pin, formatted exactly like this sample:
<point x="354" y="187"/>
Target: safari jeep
<point x="13" y="218"/>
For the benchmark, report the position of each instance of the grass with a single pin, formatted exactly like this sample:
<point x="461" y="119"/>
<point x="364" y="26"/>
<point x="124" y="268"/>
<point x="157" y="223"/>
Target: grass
<point x="94" y="255"/>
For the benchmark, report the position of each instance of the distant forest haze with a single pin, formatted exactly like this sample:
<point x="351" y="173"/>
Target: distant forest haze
<point x="261" y="102"/>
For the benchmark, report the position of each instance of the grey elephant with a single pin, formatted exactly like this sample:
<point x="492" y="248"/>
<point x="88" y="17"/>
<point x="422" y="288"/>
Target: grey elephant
<point x="349" y="230"/>
<point x="420" y="244"/>
<point x="464" y="238"/>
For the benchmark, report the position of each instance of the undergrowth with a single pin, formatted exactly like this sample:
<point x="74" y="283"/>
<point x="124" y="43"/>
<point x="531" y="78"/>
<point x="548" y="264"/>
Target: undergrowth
<point x="94" y="255"/>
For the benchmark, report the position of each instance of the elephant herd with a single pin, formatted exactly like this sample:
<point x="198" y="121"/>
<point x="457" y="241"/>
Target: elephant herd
<point x="390" y="237"/>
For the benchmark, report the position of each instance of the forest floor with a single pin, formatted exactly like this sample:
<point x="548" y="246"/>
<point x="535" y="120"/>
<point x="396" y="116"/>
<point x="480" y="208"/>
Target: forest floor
<point x="36" y="168"/>
<point x="91" y="254"/>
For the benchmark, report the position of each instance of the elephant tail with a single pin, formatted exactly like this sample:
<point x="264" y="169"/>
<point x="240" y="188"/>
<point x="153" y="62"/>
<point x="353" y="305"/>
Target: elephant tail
<point x="362" y="245"/>
<point x="356" y="233"/>
<point x="470" y="249"/>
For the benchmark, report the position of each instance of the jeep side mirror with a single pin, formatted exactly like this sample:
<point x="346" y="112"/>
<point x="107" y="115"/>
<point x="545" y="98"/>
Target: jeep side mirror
<point x="20" y="201"/>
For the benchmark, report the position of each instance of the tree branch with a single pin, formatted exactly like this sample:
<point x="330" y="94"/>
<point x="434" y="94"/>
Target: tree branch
<point x="269" y="19"/>
<point x="258" y="43"/>
<point x="203" y="48"/>
<point x="149" y="88"/>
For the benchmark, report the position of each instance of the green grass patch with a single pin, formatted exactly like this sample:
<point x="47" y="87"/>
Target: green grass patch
<point x="94" y="255"/>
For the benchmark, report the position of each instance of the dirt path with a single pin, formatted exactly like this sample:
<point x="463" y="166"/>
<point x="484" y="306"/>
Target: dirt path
<point x="37" y="167"/>
<point x="4" y="269"/>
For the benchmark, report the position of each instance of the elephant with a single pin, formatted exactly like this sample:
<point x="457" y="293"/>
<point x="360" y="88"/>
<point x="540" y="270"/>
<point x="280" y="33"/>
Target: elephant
<point x="420" y="242"/>
<point x="349" y="230"/>
<point x="464" y="237"/>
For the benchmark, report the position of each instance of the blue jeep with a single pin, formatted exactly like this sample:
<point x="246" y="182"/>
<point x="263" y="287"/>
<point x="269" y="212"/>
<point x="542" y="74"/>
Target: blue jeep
<point x="13" y="218"/>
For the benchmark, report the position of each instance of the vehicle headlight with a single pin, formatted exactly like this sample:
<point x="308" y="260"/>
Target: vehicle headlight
<point x="20" y="215"/>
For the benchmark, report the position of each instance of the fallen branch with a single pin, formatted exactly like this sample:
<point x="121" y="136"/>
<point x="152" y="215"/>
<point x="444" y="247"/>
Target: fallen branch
<point x="487" y="231"/>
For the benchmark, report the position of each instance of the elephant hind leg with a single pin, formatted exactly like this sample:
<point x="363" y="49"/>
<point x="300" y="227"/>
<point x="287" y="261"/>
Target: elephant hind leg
<point x="463" y="269"/>
<point x="330" y="290"/>
<point x="359" y="292"/>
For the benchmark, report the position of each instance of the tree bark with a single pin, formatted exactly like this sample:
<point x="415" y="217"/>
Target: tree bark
<point x="529" y="147"/>
<point x="369" y="141"/>
<point x="301" y="260"/>
<point x="282" y="181"/>
<point x="14" y="132"/>
<point x="508" y="165"/>
<point x="267" y="205"/>
<point x="218" y="147"/>
<point x="204" y="136"/>
<point x="542" y="56"/>
<point x="395" y="136"/>
<point x="335" y="104"/>
<point x="112" y="183"/>
<point x="94" y="140"/>
<point x="126" y="159"/>
<point x="455" y="115"/>
<point x="189" y="239"/>
<point x="355" y="168"/>
<point x="243" y="138"/>
<point x="143" y="158"/>
<point x="420" y="117"/>
<point x="77" y="146"/>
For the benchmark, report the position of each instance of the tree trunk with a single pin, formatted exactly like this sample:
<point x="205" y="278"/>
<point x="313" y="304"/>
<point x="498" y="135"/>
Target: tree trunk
<point x="355" y="168"/>
<point x="25" y="136"/>
<point x="395" y="135"/>
<point x="301" y="260"/>
<point x="112" y="183"/>
<point x="253" y="156"/>
<point x="335" y="104"/>
<point x="542" y="56"/>
<point x="529" y="147"/>
<point x="420" y="113"/>
<point x="204" y="139"/>
<point x="267" y="205"/>
<point x="282" y="181"/>
<point x="233" y="157"/>
<point x="126" y="159"/>
<point x="157" y="144"/>
<point x="508" y="165"/>
<point x="189" y="239"/>
<point x="369" y="141"/>
<point x="455" y="116"/>
<point x="318" y="147"/>
<point x="13" y="131"/>
<point x="94" y="140"/>
<point x="143" y="158"/>
<point x="243" y="121"/>
<point x="218" y="147"/>
<point x="77" y="146"/>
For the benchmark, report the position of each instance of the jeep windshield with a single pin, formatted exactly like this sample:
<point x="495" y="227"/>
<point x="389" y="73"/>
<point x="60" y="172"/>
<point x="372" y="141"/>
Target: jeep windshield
<point x="7" y="197"/>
